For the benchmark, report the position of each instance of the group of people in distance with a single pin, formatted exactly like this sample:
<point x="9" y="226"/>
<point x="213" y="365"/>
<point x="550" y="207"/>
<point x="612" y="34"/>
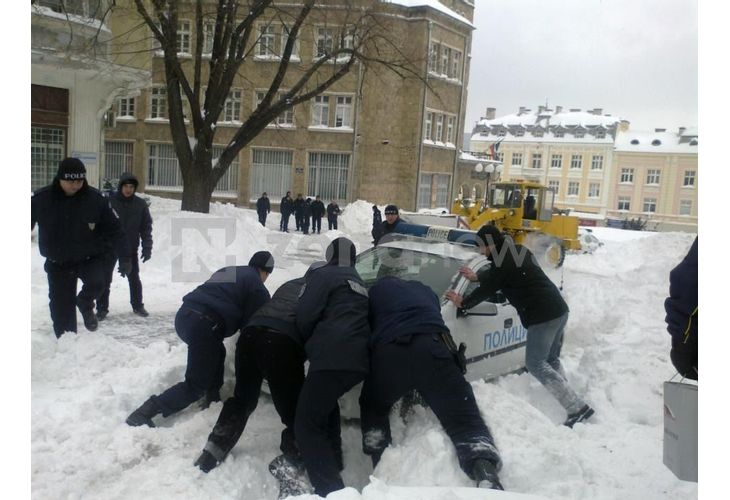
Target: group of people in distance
<point x="306" y="212"/>
<point x="391" y="337"/>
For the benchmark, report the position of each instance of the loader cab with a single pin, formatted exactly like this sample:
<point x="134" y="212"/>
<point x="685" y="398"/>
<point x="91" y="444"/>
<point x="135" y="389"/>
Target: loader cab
<point x="535" y="201"/>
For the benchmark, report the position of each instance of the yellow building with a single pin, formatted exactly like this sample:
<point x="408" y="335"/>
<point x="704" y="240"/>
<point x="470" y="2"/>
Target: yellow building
<point x="655" y="178"/>
<point x="371" y="136"/>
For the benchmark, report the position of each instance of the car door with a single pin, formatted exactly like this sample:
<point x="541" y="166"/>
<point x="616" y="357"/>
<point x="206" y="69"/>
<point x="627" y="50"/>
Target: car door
<point x="494" y="336"/>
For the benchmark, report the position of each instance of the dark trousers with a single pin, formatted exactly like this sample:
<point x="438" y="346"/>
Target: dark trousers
<point x="135" y="284"/>
<point x="261" y="354"/>
<point x="317" y="426"/>
<point x="426" y="365"/>
<point x="332" y="222"/>
<point x="262" y="218"/>
<point x="284" y="224"/>
<point x="316" y="224"/>
<point x="62" y="281"/>
<point x="206" y="356"/>
<point x="298" y="218"/>
<point x="304" y="225"/>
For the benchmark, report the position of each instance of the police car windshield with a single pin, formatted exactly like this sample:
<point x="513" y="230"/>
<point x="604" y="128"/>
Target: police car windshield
<point x="434" y="270"/>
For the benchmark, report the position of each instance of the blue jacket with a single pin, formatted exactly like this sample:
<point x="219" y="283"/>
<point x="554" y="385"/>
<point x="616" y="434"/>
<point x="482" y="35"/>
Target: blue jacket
<point x="232" y="294"/>
<point x="682" y="316"/>
<point x="280" y="312"/>
<point x="399" y="307"/>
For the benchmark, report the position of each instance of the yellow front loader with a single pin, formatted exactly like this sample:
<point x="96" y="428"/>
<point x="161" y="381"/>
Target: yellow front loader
<point x="524" y="210"/>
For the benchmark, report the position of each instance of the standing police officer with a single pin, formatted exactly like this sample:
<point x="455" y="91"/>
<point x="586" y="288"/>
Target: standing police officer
<point x="332" y="316"/>
<point x="408" y="350"/>
<point x="137" y="223"/>
<point x="210" y="313"/>
<point x="75" y="223"/>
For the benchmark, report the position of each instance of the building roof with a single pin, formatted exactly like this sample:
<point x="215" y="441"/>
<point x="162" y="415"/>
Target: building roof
<point x="635" y="141"/>
<point x="433" y="4"/>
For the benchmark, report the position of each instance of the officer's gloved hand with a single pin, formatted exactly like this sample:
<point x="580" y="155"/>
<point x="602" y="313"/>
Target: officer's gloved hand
<point x="146" y="254"/>
<point x="125" y="267"/>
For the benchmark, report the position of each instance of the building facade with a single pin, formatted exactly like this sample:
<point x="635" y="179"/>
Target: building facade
<point x="73" y="82"/>
<point x="595" y="164"/>
<point x="373" y="135"/>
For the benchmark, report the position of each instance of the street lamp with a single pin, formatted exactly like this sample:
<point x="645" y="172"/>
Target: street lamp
<point x="484" y="173"/>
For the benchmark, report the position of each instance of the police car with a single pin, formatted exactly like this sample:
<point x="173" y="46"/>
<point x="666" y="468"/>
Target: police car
<point x="491" y="331"/>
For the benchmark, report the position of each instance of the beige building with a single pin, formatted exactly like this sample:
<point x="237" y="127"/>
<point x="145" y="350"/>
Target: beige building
<point x="570" y="151"/>
<point x="372" y="136"/>
<point x="655" y="178"/>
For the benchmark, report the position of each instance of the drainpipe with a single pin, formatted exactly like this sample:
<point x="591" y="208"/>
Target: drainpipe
<point x="423" y="116"/>
<point x="357" y="108"/>
<point x="467" y="49"/>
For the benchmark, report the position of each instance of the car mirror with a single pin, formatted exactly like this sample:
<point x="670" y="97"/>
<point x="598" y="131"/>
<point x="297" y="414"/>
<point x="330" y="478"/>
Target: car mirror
<point x="481" y="309"/>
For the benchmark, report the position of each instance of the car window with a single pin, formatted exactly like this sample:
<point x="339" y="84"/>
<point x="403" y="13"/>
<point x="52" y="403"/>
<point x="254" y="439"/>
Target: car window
<point x="434" y="271"/>
<point x="497" y="297"/>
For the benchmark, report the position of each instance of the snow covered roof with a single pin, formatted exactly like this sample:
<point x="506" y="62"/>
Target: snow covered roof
<point x="545" y="118"/>
<point x="634" y="141"/>
<point x="433" y="4"/>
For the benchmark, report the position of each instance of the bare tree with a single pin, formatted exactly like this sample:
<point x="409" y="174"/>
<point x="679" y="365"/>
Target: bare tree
<point x="355" y="36"/>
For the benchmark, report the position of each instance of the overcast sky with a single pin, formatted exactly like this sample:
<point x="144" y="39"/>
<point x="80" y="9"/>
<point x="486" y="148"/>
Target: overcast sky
<point x="636" y="59"/>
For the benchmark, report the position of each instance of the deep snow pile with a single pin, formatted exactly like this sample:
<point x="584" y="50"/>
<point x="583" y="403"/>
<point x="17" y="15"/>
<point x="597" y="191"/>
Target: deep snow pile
<point x="616" y="354"/>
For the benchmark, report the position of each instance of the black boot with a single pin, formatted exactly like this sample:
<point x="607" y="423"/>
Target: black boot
<point x="484" y="473"/>
<point x="211" y="396"/>
<point x="143" y="415"/>
<point x="140" y="311"/>
<point x="580" y="416"/>
<point x="206" y="461"/>
<point x="292" y="476"/>
<point x="101" y="314"/>
<point x="90" y="321"/>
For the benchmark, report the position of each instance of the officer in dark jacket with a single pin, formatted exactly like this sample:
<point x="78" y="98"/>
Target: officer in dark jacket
<point x="210" y="313"/>
<point x="392" y="219"/>
<point x="541" y="308"/>
<point x="408" y="351"/>
<point x="287" y="207"/>
<point x="332" y="316"/>
<point x="306" y="215"/>
<point x="681" y="307"/>
<point x="318" y="212"/>
<point x="75" y="226"/>
<point x="298" y="206"/>
<point x="137" y="223"/>
<point x="263" y="208"/>
<point x="333" y="211"/>
<point x="270" y="347"/>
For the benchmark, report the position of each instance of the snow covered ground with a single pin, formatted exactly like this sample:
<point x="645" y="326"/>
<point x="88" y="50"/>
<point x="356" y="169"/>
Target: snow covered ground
<point x="616" y="354"/>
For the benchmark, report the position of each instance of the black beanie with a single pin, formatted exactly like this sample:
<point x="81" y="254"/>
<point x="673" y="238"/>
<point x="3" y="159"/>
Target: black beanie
<point x="341" y="252"/>
<point x="71" y="169"/>
<point x="391" y="210"/>
<point x="262" y="260"/>
<point x="491" y="234"/>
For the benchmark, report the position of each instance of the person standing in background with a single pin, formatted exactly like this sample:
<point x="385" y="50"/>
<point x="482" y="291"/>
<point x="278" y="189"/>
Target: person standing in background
<point x="263" y="208"/>
<point x="333" y="211"/>
<point x="318" y="212"/>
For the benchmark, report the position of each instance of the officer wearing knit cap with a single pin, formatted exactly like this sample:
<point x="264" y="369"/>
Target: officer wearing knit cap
<point x="392" y="219"/>
<point x="210" y="313"/>
<point x="75" y="224"/>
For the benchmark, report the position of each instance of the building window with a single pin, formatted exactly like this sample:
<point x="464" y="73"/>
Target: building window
<point x="343" y="112"/>
<point x="600" y="134"/>
<point x="556" y="161"/>
<point x="125" y="107"/>
<point x="594" y="190"/>
<point x="324" y="42"/>
<point x="576" y="161"/>
<point x="428" y="127"/>
<point x="433" y="187"/>
<point x="517" y="159"/>
<point x="627" y="175"/>
<point x="442" y="190"/>
<point x="118" y="158"/>
<point x="286" y="118"/>
<point x="455" y="65"/>
<point x="536" y="160"/>
<point x="433" y="58"/>
<point x="555" y="186"/>
<point x="183" y="37"/>
<point x="558" y="133"/>
<point x="579" y="134"/>
<point x="271" y="172"/>
<point x="208" y="37"/>
<point x="284" y="40"/>
<point x="439" y="128"/>
<point x="685" y="207"/>
<point x="689" y="178"/>
<point x="328" y="174"/>
<point x="652" y="176"/>
<point x="501" y="133"/>
<point x="163" y="170"/>
<point x="624" y="203"/>
<point x="47" y="149"/>
<point x="321" y="111"/>
<point x="158" y="102"/>
<point x="445" y="58"/>
<point x="597" y="162"/>
<point x="232" y="107"/>
<point x="650" y="205"/>
<point x="537" y="133"/>
<point x="450" y="128"/>
<point x="267" y="40"/>
<point x="573" y="188"/>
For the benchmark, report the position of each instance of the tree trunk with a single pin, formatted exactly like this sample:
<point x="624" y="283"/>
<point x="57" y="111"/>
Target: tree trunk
<point x="196" y="194"/>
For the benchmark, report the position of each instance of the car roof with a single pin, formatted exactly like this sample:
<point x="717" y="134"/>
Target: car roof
<point x="433" y="247"/>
